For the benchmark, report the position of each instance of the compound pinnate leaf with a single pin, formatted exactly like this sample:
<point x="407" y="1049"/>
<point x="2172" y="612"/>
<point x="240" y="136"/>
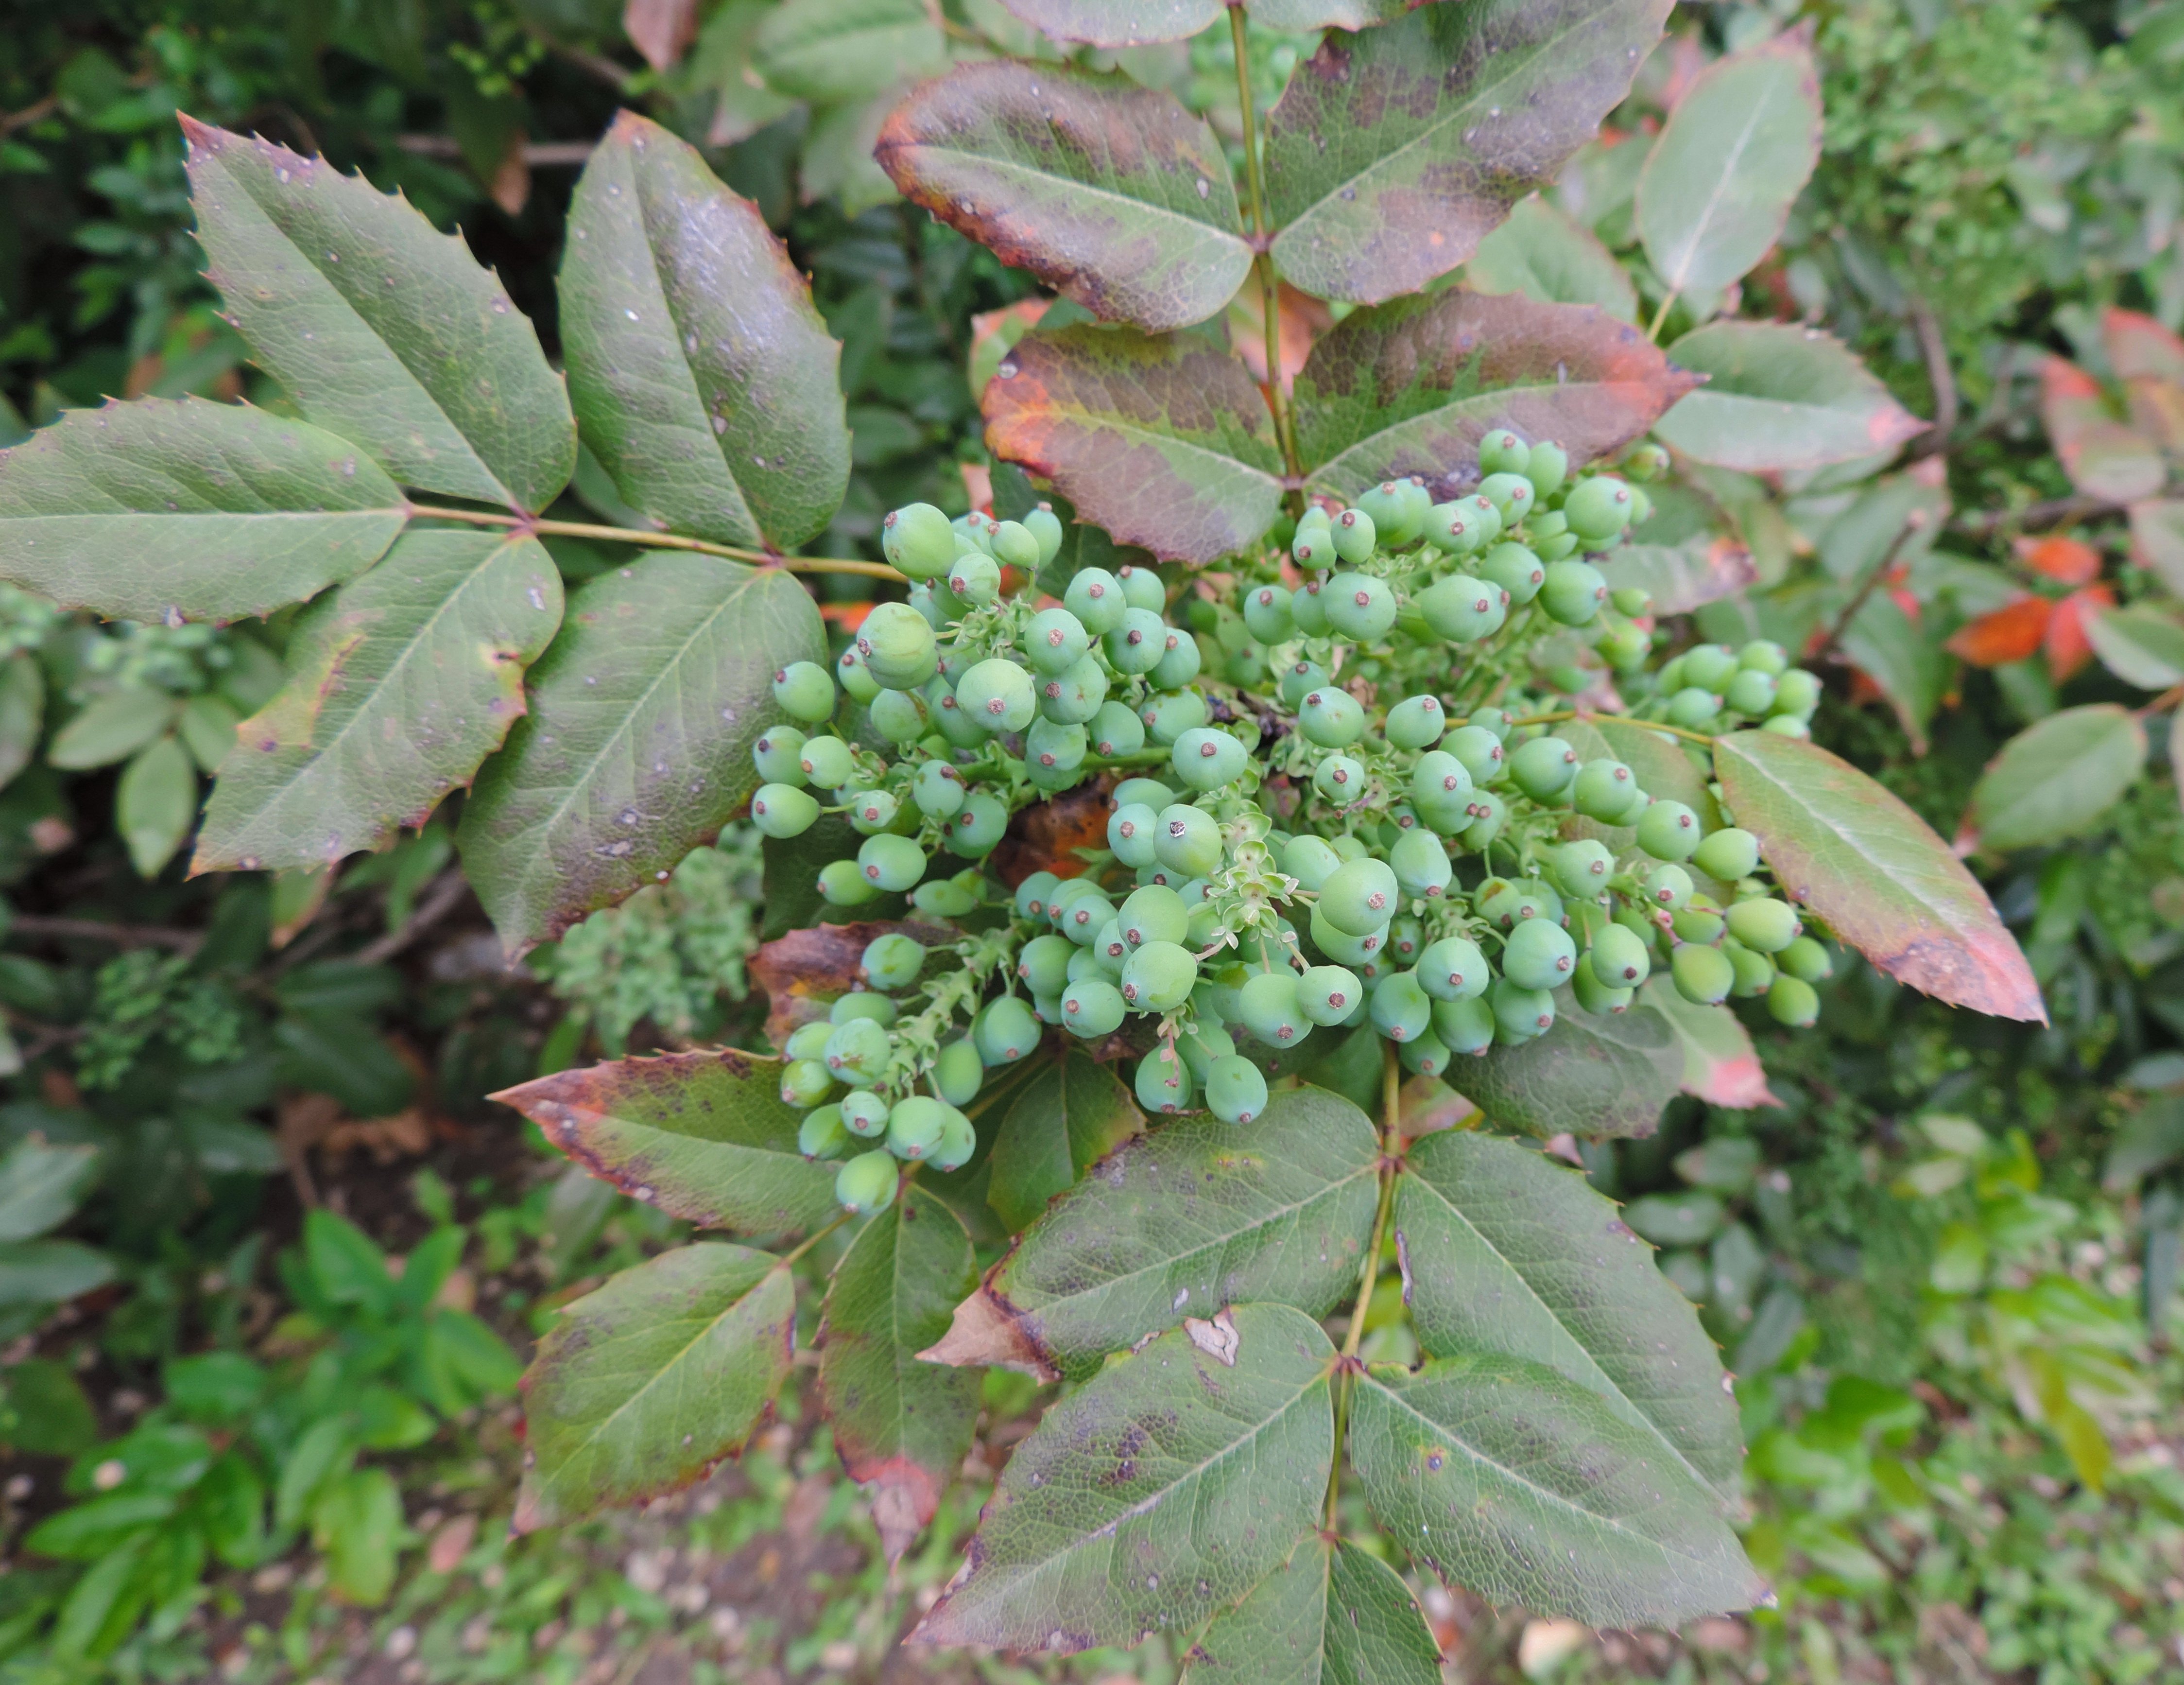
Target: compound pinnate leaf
<point x="837" y="51"/>
<point x="1848" y="849"/>
<point x="1779" y="397"/>
<point x="638" y="747"/>
<point x="1511" y="1480"/>
<point x="902" y="1426"/>
<point x="1197" y="1214"/>
<point x="702" y="376"/>
<point x="2104" y="457"/>
<point x="703" y="1136"/>
<point x="1616" y="1071"/>
<point x="1163" y="442"/>
<point x="1504" y="1251"/>
<point x="1395" y="151"/>
<point x="1734" y="153"/>
<point x="1069" y="1116"/>
<point x="163" y="509"/>
<point x="645" y="1385"/>
<point x="2057" y="777"/>
<point x="1544" y="253"/>
<point x="1110" y="192"/>
<point x="1334" y="1616"/>
<point x="1411" y="386"/>
<point x="1164" y="1488"/>
<point x="382" y="329"/>
<point x="399" y="683"/>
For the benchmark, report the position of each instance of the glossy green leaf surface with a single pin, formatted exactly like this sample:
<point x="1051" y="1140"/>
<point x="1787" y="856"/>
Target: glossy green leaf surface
<point x="836" y="51"/>
<point x="637" y="746"/>
<point x="162" y="510"/>
<point x="40" y="1186"/>
<point x="702" y="375"/>
<point x="703" y="1136"/>
<point x="1394" y="151"/>
<point x="1515" y="1482"/>
<point x="1068" y="1115"/>
<point x="1505" y="1251"/>
<point x="2141" y="644"/>
<point x="1544" y="253"/>
<point x="902" y="1426"/>
<point x="1164" y="1488"/>
<point x="1196" y="1215"/>
<point x="1732" y="158"/>
<point x="2057" y="777"/>
<point x="1110" y="192"/>
<point x="382" y="328"/>
<point x="1848" y="848"/>
<point x="155" y="804"/>
<point x="645" y="1385"/>
<point x="400" y="685"/>
<point x="1779" y="397"/>
<point x="1411" y="386"/>
<point x="1334" y="1616"/>
<point x="1163" y="442"/>
<point x="48" y="1272"/>
<point x="1614" y="1071"/>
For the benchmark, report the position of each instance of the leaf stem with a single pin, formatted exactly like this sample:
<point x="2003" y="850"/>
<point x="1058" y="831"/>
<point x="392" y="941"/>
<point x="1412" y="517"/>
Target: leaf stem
<point x="811" y="1241"/>
<point x="659" y="541"/>
<point x="1263" y="264"/>
<point x="1391" y="1107"/>
<point x="1660" y="315"/>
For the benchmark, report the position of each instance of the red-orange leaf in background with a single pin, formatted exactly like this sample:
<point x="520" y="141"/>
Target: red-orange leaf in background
<point x="2067" y="561"/>
<point x="2012" y="632"/>
<point x="2068" y="647"/>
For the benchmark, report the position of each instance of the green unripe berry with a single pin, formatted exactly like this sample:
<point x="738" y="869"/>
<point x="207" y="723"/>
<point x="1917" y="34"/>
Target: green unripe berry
<point x="1355" y="537"/>
<point x="1598" y="509"/>
<point x="1157" y="977"/>
<point x="1188" y="840"/>
<point x="938" y="791"/>
<point x="779" y="755"/>
<point x="1206" y="758"/>
<point x="779" y="811"/>
<point x="1308" y="609"/>
<point x="899" y="716"/>
<point x="1401" y="1010"/>
<point x="1466" y="1025"/>
<point x="1645" y="462"/>
<point x="1328" y="994"/>
<point x="1116" y="731"/>
<point x="1455" y="530"/>
<point x="1703" y="976"/>
<point x="1539" y="954"/>
<point x="1728" y="855"/>
<point x="1016" y="545"/>
<point x="805" y="1083"/>
<point x="1547" y="467"/>
<point x="1387" y="507"/>
<point x="855" y="677"/>
<point x="1137" y="646"/>
<point x="1604" y="789"/>
<point x="1520" y="1013"/>
<point x="1502" y="452"/>
<point x="958" y="1073"/>
<point x="1164" y="1083"/>
<point x="1791" y="1001"/>
<point x="1764" y="655"/>
<point x="1005" y="1031"/>
<point x="1314" y="546"/>
<point x="1415" y="722"/>
<point x="1786" y="725"/>
<point x="842" y="884"/>
<point x="1095" y="597"/>
<point x="1310" y="861"/>
<point x="1478" y="749"/>
<point x="1143" y="589"/>
<point x="1762" y="923"/>
<point x="1266" y="614"/>
<point x="1668" y="830"/>
<point x="1750" y="693"/>
<point x="1505" y="905"/>
<point x="1167" y="718"/>
<point x="1092" y="1007"/>
<point x="1510" y="495"/>
<point x="1080" y="916"/>
<point x="1463" y="609"/>
<point x="1339" y="779"/>
<point x="827" y="762"/>
<point x="917" y="539"/>
<point x="1130" y="833"/>
<point x="1597" y="997"/>
<point x="975" y="577"/>
<point x="1489" y="813"/>
<point x="858" y="1050"/>
<point x="977" y="826"/>
<point x="866" y="1183"/>
<point x="999" y="695"/>
<point x="862" y="1003"/>
<point x="958" y="1142"/>
<point x="1059" y="749"/>
<point x="1043" y="963"/>
<point x="1045" y="527"/>
<point x="1574" y="592"/>
<point x="805" y="691"/>
<point x="1421" y="865"/>
<point x="1109" y="950"/>
<point x="891" y="863"/>
<point x="1056" y="640"/>
<point x="822" y="1134"/>
<point x="1516" y="569"/>
<point x="1797" y="694"/>
<point x="1209" y="1041"/>
<point x="1708" y="665"/>
<point x="808" y="1041"/>
<point x="1668" y="886"/>
<point x="947" y="897"/>
<point x="1581" y="870"/>
<point x="1453" y="969"/>
<point x="1271" y="1010"/>
<point x="1806" y="960"/>
<point x="915" y="1125"/>
<point x="1154" y="914"/>
<point x="898" y="646"/>
<point x="1544" y="768"/>
<point x="1179" y="665"/>
<point x="1330" y="717"/>
<point x="1693" y="707"/>
<point x="1618" y="957"/>
<point x="863" y="1114"/>
<point x="1755" y="971"/>
<point x="1360" y="606"/>
<point x="1360" y="896"/>
<point x="1702" y="924"/>
<point x="892" y="961"/>
<point x="1442" y="792"/>
<point x="1236" y="1091"/>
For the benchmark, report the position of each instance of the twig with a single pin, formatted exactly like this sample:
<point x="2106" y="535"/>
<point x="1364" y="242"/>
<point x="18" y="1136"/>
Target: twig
<point x="1939" y="376"/>
<point x="535" y="153"/>
<point x="99" y="930"/>
<point x="1874" y="577"/>
<point x="659" y="541"/>
<point x="2054" y="512"/>
<point x="29" y="114"/>
<point x="448" y="889"/>
<point x="1346" y="1366"/>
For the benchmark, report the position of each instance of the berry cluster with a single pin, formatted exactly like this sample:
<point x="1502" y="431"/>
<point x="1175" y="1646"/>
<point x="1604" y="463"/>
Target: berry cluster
<point x="1340" y="801"/>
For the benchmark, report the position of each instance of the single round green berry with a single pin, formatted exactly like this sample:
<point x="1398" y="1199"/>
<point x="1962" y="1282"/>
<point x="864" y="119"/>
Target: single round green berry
<point x="779" y="811"/>
<point x="1668" y="830"/>
<point x="1729" y="854"/>
<point x="805" y="691"/>
<point x="822" y="1134"/>
<point x="1155" y="913"/>
<point x="1081" y="917"/>
<point x="1137" y="646"/>
<point x="977" y="826"/>
<point x="1574" y="592"/>
<point x="1109" y="950"/>
<point x="1180" y="665"/>
<point x="891" y="863"/>
<point x="1764" y="655"/>
<point x="1693" y="707"/>
<point x="892" y="961"/>
<point x="1463" y="609"/>
<point x="1786" y="725"/>
<point x="1539" y="954"/>
<point x="1045" y="527"/>
<point x="1344" y="949"/>
<point x="1005" y="1031"/>
<point x="827" y="762"/>
<point x="1116" y="731"/>
<point x="1478" y="749"/>
<point x="1310" y="861"/>
<point x="1442" y="792"/>
<point x="1157" y="977"/>
<point x="866" y="1183"/>
<point x="842" y="882"/>
<point x="1188" y="840"/>
<point x="959" y="1140"/>
<point x="975" y="578"/>
<point x="1166" y="717"/>
<point x="808" y="1041"/>
<point x="855" y="676"/>
<point x="1016" y="545"/>
<point x="1424" y="1055"/>
<point x="947" y="897"/>
<point x="1703" y="976"/>
<point x="1581" y="870"/>
<point x="1130" y="833"/>
<point x="1360" y="896"/>
<point x="805" y="1082"/>
<point x="898" y="646"/>
<point x="862" y="1003"/>
<point x="1544" y="768"/>
<point x="1505" y="904"/>
<point x="1806" y="960"/>
<point x="1755" y="971"/>
<point x="1797" y="694"/>
<point x="1455" y="530"/>
<point x="1489" y="813"/>
<point x="1056" y="640"/>
<point x="1465" y="1025"/>
<point x="864" y="1114"/>
<point x="1095" y="597"/>
<point x="1271" y="1010"/>
<point x="1512" y="494"/>
<point x="1547" y="467"/>
<point x="1751" y="692"/>
<point x="1360" y="606"/>
<point x="1206" y="758"/>
<point x="1355" y="537"/>
<point x="1202" y="1045"/>
<point x="1699" y="924"/>
<point x="1401" y="1010"/>
<point x="1595" y="996"/>
<point x="915" y="1125"/>
<point x="1598" y="509"/>
<point x="1520" y="1013"/>
<point x="1164" y="1083"/>
<point x="1668" y="886"/>
<point x="1235" y="1090"/>
<point x="917" y="539"/>
<point x="1331" y="717"/>
<point x="1266" y="614"/>
<point x="1603" y="789"/>
<point x="859" y="1051"/>
<point x="1503" y="452"/>
<point x="958" y="1073"/>
<point x="1043" y="963"/>
<point x="1453" y="969"/>
<point x="1092" y="1007"/>
<point x="1328" y="994"/>
<point x="1389" y="510"/>
<point x="1708" y="665"/>
<point x="1791" y="1001"/>
<point x="779" y="755"/>
<point x="1763" y="924"/>
<point x="1143" y="587"/>
<point x="1339" y="779"/>
<point x="999" y="695"/>
<point x="1618" y="957"/>
<point x="1515" y="569"/>
<point x="899" y="716"/>
<point x="1308" y="609"/>
<point x="1420" y="864"/>
<point x="1058" y="748"/>
<point x="1415" y="722"/>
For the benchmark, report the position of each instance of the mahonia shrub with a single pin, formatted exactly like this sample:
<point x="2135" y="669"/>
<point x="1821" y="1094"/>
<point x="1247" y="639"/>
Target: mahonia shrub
<point x="1273" y="735"/>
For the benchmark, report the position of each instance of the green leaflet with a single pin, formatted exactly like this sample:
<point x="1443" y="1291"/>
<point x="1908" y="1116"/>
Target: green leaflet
<point x="1544" y="255"/>
<point x="1614" y="1071"/>
<point x="1164" y="1488"/>
<point x="1504" y="1251"/>
<point x="40" y="1186"/>
<point x="703" y="1136"/>
<point x="1334" y="1616"/>
<point x="836" y="51"/>
<point x="1852" y="852"/>
<point x="636" y="747"/>
<point x="400" y="685"/>
<point x="382" y="329"/>
<point x="1411" y="386"/>
<point x="155" y="804"/>
<point x="1197" y="1214"/>
<point x="1779" y="397"/>
<point x="1109" y="192"/>
<point x="645" y="1385"/>
<point x="1518" y="1484"/>
<point x="1393" y="153"/>
<point x="1161" y="442"/>
<point x="2058" y="777"/>
<point x="1071" y="1114"/>
<point x="902" y="1426"/>
<point x="702" y="374"/>
<point x="163" y="509"/>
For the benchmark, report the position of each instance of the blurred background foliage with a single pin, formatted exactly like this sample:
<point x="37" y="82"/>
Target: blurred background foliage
<point x="269" y="1259"/>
